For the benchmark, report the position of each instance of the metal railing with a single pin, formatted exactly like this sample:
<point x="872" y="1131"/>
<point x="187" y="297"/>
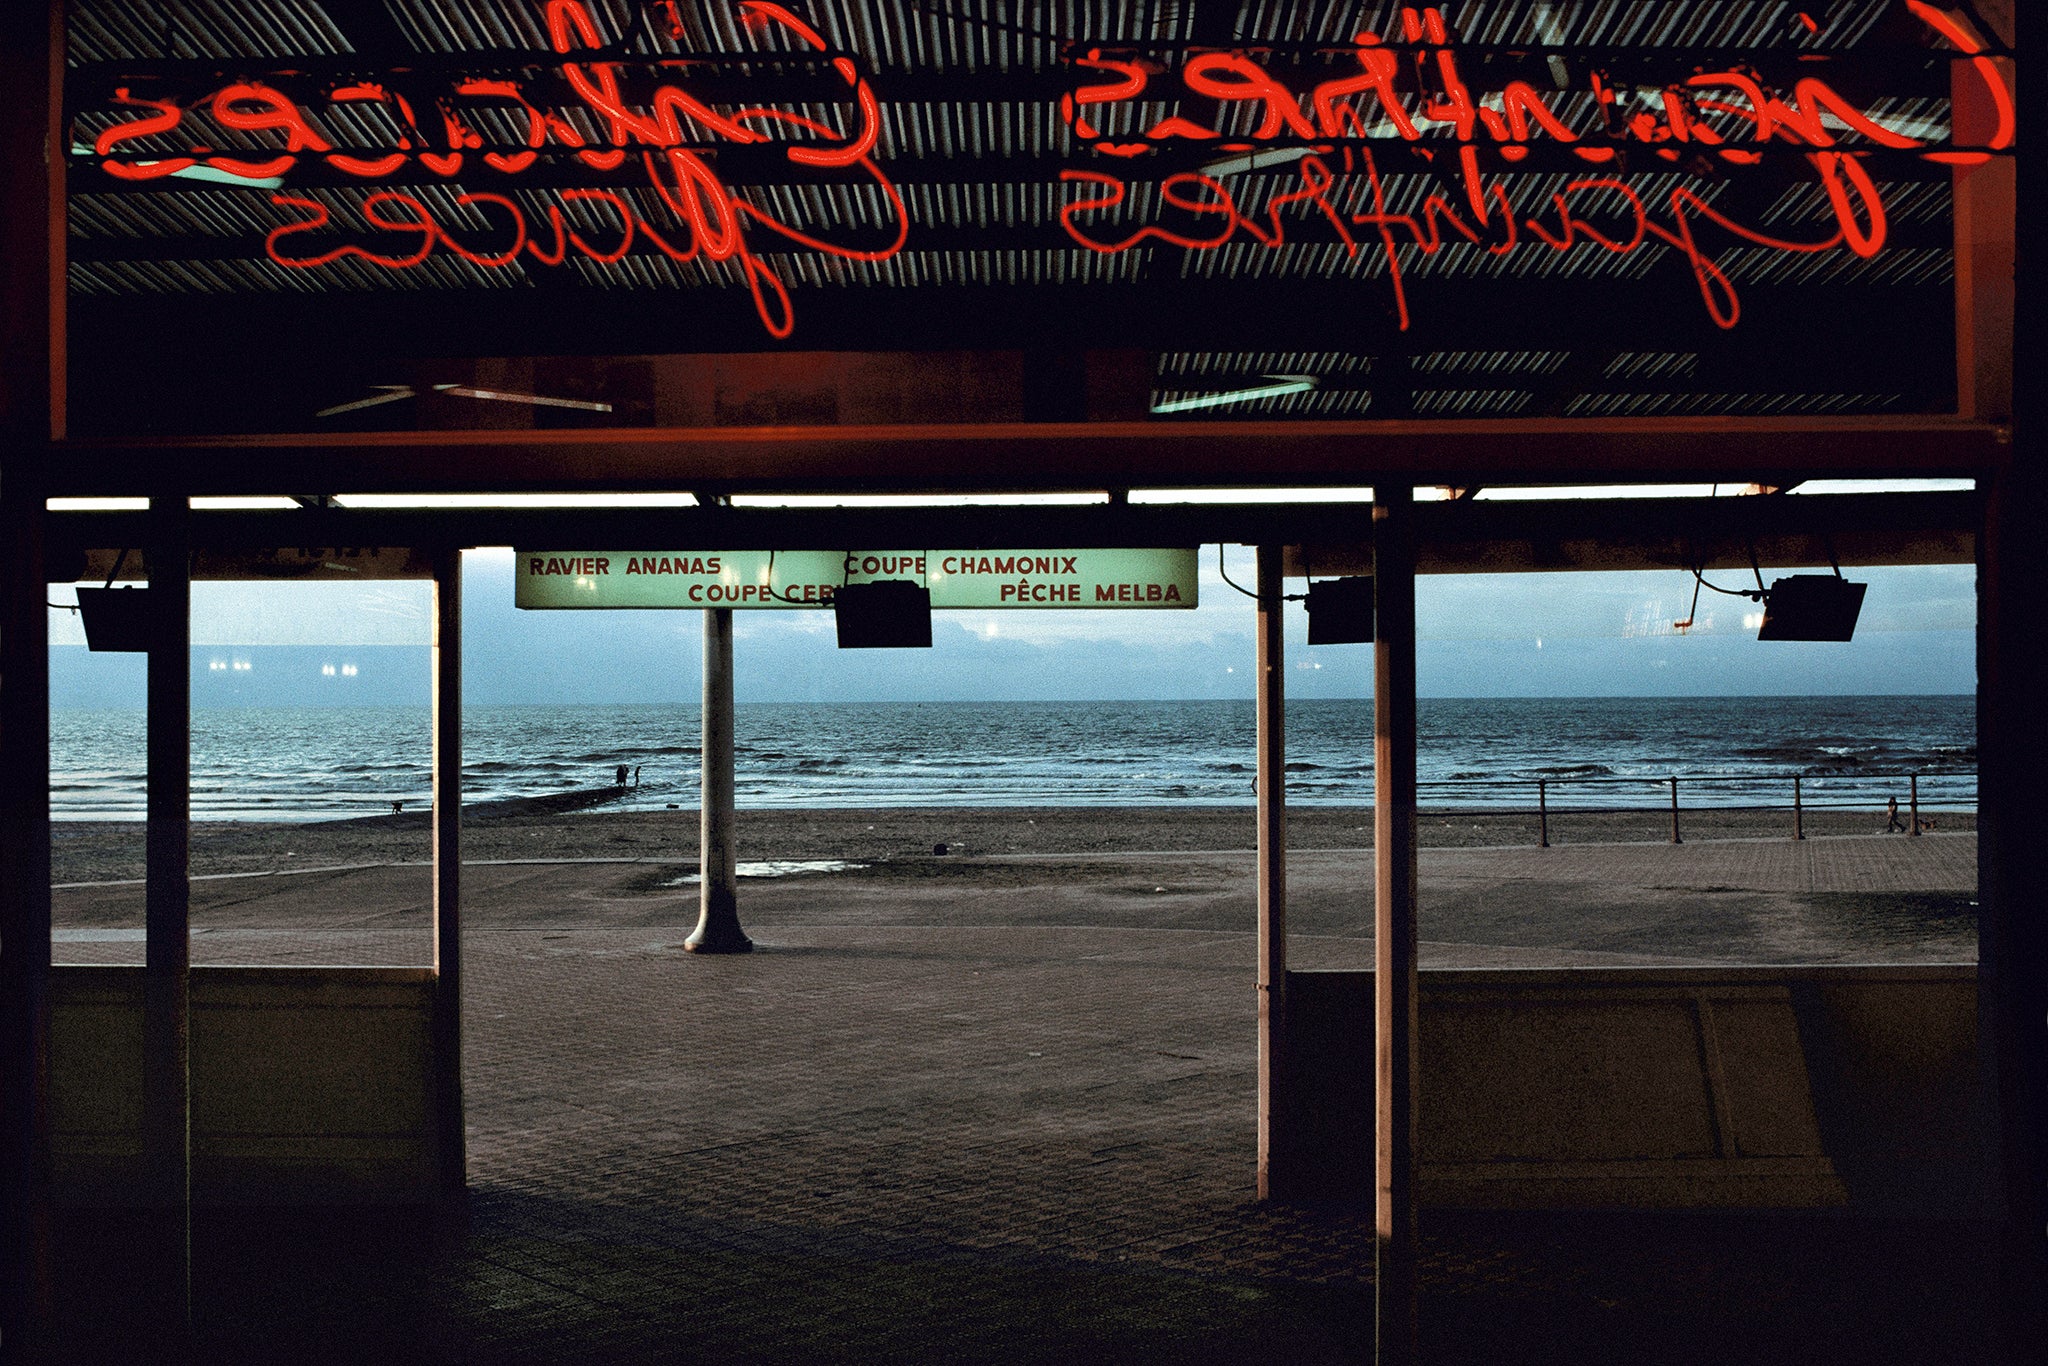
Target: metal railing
<point x="1795" y="794"/>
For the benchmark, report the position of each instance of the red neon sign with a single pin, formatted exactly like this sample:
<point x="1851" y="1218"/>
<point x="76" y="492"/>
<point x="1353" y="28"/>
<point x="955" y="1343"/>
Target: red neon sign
<point x="1336" y="131"/>
<point x="1723" y="116"/>
<point x="707" y="220"/>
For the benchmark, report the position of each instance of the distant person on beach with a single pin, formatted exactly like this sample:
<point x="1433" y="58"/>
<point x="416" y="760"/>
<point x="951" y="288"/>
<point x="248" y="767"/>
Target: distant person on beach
<point x="622" y="775"/>
<point x="1891" y="814"/>
<point x="636" y="775"/>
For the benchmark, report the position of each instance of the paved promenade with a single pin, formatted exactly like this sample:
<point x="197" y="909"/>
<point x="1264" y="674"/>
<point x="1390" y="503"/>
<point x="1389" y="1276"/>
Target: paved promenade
<point x="1844" y="899"/>
<point x="1001" y="1110"/>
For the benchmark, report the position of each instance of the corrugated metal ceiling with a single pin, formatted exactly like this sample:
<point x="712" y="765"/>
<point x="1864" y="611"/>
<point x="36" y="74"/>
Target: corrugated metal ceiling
<point x="979" y="178"/>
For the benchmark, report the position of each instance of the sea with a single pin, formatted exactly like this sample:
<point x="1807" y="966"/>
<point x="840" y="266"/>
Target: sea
<point x="281" y="763"/>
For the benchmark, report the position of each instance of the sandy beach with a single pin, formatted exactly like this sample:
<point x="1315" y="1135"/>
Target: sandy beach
<point x="1611" y="890"/>
<point x="567" y="827"/>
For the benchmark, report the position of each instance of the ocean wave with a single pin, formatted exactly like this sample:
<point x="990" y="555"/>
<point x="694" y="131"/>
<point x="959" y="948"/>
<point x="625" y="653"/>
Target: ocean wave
<point x="1784" y="754"/>
<point x="1732" y="750"/>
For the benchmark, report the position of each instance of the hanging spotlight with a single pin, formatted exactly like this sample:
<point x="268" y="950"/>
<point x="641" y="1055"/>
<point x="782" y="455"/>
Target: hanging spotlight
<point x="116" y="618"/>
<point x="1340" y="611"/>
<point x="889" y="614"/>
<point x="1811" y="607"/>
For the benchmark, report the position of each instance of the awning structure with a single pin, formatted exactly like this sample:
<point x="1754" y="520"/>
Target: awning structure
<point x="1323" y="538"/>
<point x="1569" y="227"/>
<point x="326" y="247"/>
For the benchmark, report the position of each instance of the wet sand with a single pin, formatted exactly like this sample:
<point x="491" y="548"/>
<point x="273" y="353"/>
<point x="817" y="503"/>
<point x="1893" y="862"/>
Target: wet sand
<point x="555" y="828"/>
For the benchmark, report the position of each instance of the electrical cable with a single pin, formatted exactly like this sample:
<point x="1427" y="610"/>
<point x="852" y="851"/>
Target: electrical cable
<point x="112" y="574"/>
<point x="784" y="595"/>
<point x="1226" y="574"/>
<point x="1284" y="597"/>
<point x="1753" y="594"/>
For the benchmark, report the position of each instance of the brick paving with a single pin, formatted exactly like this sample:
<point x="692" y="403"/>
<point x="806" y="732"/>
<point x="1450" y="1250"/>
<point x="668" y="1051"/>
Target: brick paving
<point x="975" y="1117"/>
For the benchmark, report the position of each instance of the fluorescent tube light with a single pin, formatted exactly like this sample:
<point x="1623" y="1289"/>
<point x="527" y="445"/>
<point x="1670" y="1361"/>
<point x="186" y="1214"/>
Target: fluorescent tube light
<point x="1286" y="384"/>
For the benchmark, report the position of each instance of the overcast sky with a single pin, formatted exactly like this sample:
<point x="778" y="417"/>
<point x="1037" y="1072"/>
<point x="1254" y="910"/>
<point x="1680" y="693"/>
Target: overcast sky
<point x="1482" y="636"/>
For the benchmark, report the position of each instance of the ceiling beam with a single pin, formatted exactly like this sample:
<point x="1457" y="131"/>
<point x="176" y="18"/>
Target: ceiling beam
<point x="1463" y="537"/>
<point x="1033" y="457"/>
<point x="1660" y="312"/>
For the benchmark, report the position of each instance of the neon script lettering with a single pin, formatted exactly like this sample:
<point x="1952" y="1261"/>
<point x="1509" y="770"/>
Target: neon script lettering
<point x="1330" y="132"/>
<point x="705" y="219"/>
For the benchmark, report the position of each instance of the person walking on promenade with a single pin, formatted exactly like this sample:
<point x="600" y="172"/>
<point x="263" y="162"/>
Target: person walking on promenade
<point x="1891" y="814"/>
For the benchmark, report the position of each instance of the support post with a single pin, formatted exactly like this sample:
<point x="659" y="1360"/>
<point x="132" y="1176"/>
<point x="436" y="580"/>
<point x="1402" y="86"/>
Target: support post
<point x="32" y="412"/>
<point x="451" y="1134"/>
<point x="1985" y="238"/>
<point x="2012" y="961"/>
<point x="1542" y="814"/>
<point x="1913" y="802"/>
<point x="167" y="972"/>
<point x="718" y="918"/>
<point x="24" y="905"/>
<point x="1394" y="923"/>
<point x="1271" y="766"/>
<point x="1674" y="810"/>
<point x="2012" y="580"/>
<point x="1798" y="812"/>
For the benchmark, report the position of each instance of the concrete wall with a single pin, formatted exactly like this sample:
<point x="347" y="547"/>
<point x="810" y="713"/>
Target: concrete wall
<point x="309" y="1085"/>
<point x="1655" y="1088"/>
<point x="1648" y="1088"/>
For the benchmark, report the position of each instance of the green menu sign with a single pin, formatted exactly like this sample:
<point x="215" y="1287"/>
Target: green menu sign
<point x="979" y="579"/>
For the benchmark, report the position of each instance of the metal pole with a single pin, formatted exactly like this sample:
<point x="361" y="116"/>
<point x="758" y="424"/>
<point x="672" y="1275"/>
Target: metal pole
<point x="167" y="972"/>
<point x="718" y="919"/>
<point x="1272" y="789"/>
<point x="1394" y="929"/>
<point x="1913" y="796"/>
<point x="1542" y="814"/>
<point x="1798" y="813"/>
<point x="452" y="1140"/>
<point x="1674" y="810"/>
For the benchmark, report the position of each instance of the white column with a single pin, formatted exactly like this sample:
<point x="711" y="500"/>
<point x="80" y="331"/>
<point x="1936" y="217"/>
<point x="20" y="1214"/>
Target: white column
<point x="718" y="920"/>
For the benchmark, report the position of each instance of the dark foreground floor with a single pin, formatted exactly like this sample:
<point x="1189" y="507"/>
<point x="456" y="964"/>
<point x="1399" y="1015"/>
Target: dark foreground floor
<point x="534" y="1279"/>
<point x="1000" y="1120"/>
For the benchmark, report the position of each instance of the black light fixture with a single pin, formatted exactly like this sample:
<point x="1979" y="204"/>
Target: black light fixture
<point x="117" y="618"/>
<point x="1340" y="611"/>
<point x="1811" y="607"/>
<point x="889" y="614"/>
